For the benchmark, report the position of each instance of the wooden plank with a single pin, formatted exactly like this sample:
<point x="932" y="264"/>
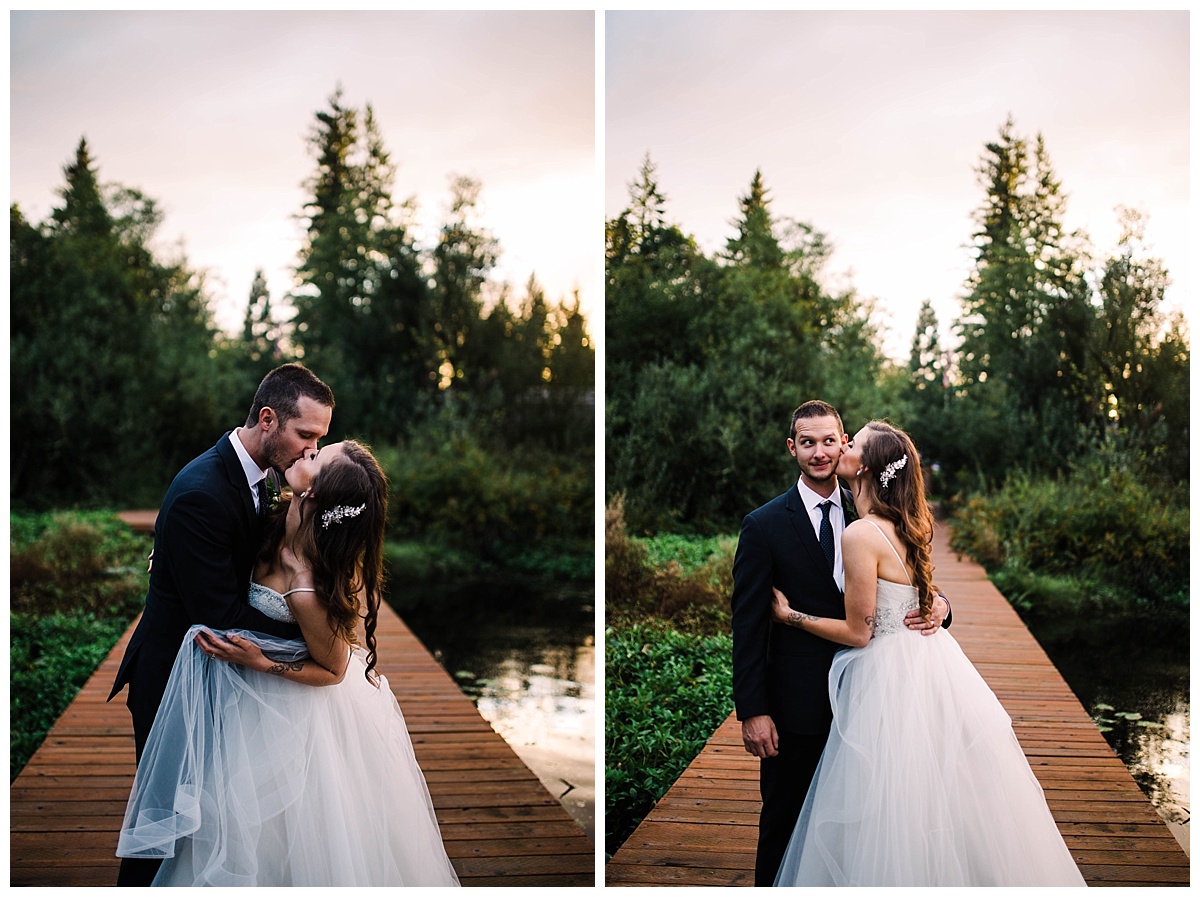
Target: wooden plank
<point x="500" y="825"/>
<point x="704" y="830"/>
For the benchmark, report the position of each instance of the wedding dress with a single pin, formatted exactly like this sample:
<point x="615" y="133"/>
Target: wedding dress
<point x="249" y="779"/>
<point x="922" y="781"/>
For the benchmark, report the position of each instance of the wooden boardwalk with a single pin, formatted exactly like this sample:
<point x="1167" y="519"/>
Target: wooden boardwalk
<point x="500" y="825"/>
<point x="704" y="829"/>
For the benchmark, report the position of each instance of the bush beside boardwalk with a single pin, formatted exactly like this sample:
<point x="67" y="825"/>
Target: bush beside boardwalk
<point x="77" y="582"/>
<point x="667" y="660"/>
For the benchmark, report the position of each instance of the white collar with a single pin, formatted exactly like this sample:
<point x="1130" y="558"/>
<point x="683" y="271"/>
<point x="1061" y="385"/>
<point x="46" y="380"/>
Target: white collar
<point x="813" y="499"/>
<point x="249" y="467"/>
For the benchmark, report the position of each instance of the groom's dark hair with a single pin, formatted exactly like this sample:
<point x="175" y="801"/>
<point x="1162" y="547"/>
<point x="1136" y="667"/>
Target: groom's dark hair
<point x="281" y="390"/>
<point x="814" y="408"/>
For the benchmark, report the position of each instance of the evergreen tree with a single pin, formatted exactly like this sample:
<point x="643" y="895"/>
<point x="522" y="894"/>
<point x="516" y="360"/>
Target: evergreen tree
<point x="260" y="331"/>
<point x="1143" y="356"/>
<point x="364" y="311"/>
<point x="112" y="351"/>
<point x="755" y="244"/>
<point x="926" y="361"/>
<point x="1027" y="316"/>
<point x="463" y="259"/>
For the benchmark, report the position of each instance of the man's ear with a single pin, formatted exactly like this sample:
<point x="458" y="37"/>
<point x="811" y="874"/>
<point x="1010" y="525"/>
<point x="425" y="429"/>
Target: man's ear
<point x="266" y="417"/>
<point x="791" y="444"/>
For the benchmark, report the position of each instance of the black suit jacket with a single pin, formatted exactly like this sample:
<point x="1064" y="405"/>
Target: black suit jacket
<point x="781" y="670"/>
<point x="206" y="537"/>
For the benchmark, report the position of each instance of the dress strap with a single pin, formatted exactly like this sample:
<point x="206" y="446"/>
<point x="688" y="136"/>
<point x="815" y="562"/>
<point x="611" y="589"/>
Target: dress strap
<point x="290" y="591"/>
<point x="893" y="547"/>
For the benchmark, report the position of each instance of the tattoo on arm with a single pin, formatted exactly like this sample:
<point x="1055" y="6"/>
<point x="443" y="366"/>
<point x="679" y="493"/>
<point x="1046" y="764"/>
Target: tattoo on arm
<point x="870" y="621"/>
<point x="797" y="619"/>
<point x="280" y="669"/>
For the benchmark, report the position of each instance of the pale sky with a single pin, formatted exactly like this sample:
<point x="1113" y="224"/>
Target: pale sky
<point x="870" y="126"/>
<point x="208" y="114"/>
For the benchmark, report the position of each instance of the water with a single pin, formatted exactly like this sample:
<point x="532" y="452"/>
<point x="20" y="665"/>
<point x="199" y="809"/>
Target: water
<point x="524" y="651"/>
<point x="1132" y="674"/>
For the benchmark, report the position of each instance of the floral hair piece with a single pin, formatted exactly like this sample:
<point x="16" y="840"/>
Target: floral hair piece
<point x="340" y="513"/>
<point x="889" y="472"/>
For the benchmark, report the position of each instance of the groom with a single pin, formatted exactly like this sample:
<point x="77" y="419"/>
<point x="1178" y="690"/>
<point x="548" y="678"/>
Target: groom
<point x="780" y="691"/>
<point x="206" y="537"/>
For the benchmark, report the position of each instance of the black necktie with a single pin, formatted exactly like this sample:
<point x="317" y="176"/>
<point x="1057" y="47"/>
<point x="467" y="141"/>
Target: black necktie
<point x="827" y="532"/>
<point x="263" y="496"/>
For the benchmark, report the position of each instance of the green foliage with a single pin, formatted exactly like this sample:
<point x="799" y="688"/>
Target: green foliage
<point x="101" y="416"/>
<point x="668" y="662"/>
<point x="425" y="561"/>
<point x="691" y="596"/>
<point x="77" y="582"/>
<point x="665" y="694"/>
<point x="122" y="378"/>
<point x="449" y="487"/>
<point x="405" y="335"/>
<point x="1100" y="534"/>
<point x="707" y="358"/>
<point x="1053" y="354"/>
<point x="50" y="659"/>
<point x="691" y="553"/>
<point x="74" y="561"/>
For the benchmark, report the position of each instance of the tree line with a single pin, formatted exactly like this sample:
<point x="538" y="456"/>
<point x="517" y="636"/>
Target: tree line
<point x="119" y="374"/>
<point x="1058" y="355"/>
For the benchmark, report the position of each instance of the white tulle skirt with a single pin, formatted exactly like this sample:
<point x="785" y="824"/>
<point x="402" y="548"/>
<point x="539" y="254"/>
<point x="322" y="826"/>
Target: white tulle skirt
<point x="248" y="779"/>
<point x="922" y="781"/>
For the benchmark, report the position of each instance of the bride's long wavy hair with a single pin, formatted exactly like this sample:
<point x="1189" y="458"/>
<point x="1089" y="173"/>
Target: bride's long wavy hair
<point x="341" y="536"/>
<point x="901" y="500"/>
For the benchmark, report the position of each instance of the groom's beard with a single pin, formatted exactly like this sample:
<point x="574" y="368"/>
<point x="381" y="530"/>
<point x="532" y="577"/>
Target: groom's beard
<point x="829" y="474"/>
<point x="277" y="453"/>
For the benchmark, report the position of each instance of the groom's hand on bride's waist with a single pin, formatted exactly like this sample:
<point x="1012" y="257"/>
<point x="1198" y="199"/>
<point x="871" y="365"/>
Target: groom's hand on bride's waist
<point x="759" y="736"/>
<point x="937" y="615"/>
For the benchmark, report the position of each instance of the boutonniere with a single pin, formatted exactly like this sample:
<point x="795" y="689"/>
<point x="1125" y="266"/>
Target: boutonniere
<point x="270" y="494"/>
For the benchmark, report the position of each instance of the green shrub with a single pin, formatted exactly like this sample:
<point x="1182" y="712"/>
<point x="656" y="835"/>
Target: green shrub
<point x="76" y="561"/>
<point x="453" y="490"/>
<point x="50" y="659"/>
<point x="77" y="580"/>
<point x="683" y="580"/>
<point x="1119" y="540"/>
<point x="665" y="694"/>
<point x="427" y="562"/>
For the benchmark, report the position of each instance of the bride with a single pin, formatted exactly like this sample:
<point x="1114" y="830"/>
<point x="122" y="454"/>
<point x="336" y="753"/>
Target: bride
<point x="922" y="781"/>
<point x="252" y="776"/>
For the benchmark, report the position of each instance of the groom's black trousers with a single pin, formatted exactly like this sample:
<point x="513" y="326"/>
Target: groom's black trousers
<point x="783" y="781"/>
<point x="136" y="872"/>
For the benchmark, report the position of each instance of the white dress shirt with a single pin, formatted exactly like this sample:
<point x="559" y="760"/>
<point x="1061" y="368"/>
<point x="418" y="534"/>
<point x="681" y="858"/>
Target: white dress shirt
<point x="254" y="474"/>
<point x="837" y="517"/>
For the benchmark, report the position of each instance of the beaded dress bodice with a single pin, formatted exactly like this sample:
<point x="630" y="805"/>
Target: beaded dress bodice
<point x="271" y="603"/>
<point x="893" y="602"/>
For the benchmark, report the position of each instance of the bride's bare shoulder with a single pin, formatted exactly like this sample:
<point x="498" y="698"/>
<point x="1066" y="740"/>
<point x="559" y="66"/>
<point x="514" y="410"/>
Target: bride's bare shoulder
<point x="864" y="533"/>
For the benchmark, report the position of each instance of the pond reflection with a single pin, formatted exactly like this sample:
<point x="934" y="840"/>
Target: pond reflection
<point x="525" y="653"/>
<point x="1133" y="676"/>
